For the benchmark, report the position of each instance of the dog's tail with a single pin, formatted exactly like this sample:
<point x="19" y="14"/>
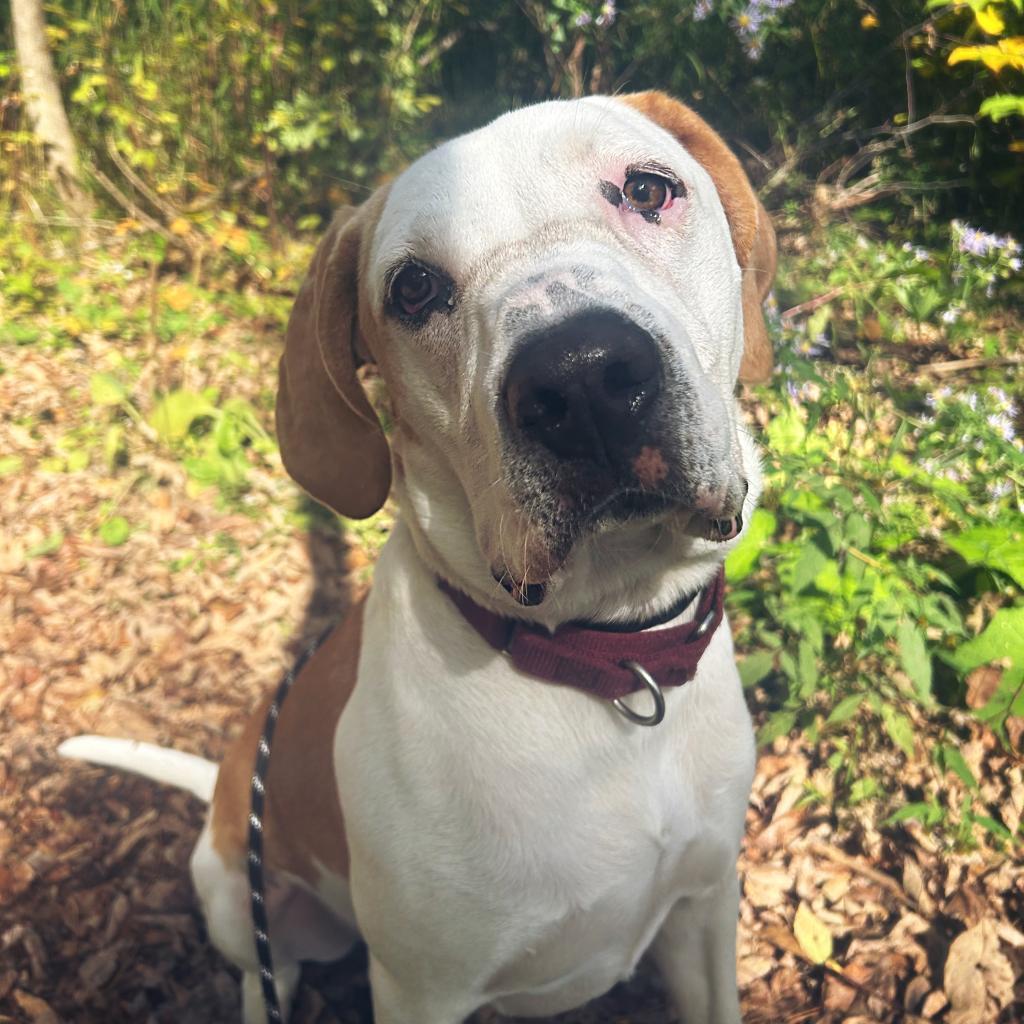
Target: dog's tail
<point x="172" y="767"/>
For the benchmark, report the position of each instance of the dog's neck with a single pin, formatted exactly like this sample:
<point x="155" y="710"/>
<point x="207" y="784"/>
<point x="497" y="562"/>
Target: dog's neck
<point x="599" y="583"/>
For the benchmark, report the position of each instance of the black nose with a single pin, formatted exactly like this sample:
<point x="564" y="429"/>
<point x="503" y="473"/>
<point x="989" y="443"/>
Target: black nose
<point x="585" y="389"/>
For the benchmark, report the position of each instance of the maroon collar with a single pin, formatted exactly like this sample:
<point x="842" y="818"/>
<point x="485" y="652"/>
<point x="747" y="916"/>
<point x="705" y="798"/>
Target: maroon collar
<point x="590" y="658"/>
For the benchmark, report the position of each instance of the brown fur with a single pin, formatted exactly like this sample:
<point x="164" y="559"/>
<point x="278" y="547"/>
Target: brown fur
<point x="752" y="235"/>
<point x="331" y="441"/>
<point x="302" y="821"/>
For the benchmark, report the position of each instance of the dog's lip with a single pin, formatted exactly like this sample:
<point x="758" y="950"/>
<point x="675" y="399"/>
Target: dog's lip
<point x="720" y="530"/>
<point x="630" y="504"/>
<point x="529" y="595"/>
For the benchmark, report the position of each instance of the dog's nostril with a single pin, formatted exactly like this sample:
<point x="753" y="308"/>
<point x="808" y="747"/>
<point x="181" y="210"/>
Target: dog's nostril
<point x="542" y="408"/>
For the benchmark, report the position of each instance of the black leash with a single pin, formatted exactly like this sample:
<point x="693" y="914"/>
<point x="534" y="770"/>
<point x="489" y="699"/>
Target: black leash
<point x="257" y="897"/>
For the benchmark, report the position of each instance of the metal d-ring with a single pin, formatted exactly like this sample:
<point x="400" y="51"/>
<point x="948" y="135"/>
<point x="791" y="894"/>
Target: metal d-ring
<point x="653" y="689"/>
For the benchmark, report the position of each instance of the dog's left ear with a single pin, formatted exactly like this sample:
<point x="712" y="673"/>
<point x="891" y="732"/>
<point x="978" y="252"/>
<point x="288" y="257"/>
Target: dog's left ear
<point x="752" y="235"/>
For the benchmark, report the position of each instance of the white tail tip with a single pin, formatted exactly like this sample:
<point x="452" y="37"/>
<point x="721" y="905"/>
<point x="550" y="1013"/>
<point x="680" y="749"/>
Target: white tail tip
<point x="171" y="767"/>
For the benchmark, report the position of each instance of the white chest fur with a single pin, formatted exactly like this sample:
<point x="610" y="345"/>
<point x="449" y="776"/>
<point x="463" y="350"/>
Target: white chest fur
<point x="519" y="839"/>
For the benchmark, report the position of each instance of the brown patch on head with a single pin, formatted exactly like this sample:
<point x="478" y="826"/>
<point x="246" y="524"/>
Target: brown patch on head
<point x="650" y="466"/>
<point x="749" y="224"/>
<point x="303" y="825"/>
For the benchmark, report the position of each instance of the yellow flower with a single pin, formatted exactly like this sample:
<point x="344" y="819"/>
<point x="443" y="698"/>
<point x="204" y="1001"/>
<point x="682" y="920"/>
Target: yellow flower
<point x="990" y="20"/>
<point x="869" y="21"/>
<point x="1005" y="53"/>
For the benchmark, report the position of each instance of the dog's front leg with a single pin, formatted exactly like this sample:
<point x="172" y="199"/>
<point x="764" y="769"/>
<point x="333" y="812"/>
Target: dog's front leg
<point x="696" y="953"/>
<point x="398" y="1001"/>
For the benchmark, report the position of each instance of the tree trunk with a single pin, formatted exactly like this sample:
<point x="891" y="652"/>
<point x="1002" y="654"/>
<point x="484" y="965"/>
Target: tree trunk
<point x="44" y="104"/>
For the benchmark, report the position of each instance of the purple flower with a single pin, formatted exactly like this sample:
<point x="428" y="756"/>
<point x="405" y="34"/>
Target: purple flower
<point x="701" y="10"/>
<point x="607" y="15"/>
<point x="582" y="20"/>
<point x="1002" y="424"/>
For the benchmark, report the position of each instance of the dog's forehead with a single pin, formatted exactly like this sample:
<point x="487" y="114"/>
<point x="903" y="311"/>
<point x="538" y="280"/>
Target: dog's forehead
<point x="508" y="180"/>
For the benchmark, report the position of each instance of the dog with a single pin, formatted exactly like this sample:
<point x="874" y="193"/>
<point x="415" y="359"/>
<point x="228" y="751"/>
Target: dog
<point x="560" y="305"/>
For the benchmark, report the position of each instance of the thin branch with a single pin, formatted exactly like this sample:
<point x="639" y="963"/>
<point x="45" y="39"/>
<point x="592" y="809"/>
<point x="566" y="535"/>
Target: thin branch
<point x="879" y="878"/>
<point x="975" y="363"/>
<point x="138" y="184"/>
<point x="439" y="49"/>
<point x="812" y="304"/>
<point x="133" y="211"/>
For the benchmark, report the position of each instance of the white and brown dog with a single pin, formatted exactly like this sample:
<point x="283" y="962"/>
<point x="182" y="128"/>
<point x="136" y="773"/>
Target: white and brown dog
<point x="560" y="305"/>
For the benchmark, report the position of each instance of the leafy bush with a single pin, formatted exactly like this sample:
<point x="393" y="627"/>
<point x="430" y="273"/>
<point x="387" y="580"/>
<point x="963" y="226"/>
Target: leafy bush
<point x="887" y="562"/>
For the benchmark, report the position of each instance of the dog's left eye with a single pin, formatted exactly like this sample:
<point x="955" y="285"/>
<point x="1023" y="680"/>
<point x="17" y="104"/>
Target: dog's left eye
<point x="646" y="192"/>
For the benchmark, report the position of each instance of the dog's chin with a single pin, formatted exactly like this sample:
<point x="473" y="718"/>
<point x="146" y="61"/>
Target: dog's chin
<point x="622" y="514"/>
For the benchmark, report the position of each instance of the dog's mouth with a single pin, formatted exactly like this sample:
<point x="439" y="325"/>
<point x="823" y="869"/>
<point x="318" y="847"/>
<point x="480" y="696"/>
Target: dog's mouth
<point x="621" y="508"/>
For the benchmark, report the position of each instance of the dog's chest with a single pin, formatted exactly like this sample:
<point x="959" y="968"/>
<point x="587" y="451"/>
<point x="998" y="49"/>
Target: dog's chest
<point x="596" y="883"/>
<point x="528" y="828"/>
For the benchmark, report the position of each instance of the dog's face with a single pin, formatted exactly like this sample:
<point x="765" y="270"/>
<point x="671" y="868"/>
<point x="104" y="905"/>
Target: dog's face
<point x="558" y="304"/>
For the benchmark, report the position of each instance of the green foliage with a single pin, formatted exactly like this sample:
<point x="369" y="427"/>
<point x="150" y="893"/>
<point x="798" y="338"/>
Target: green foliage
<point x="215" y="441"/>
<point x="275" y="112"/>
<point x="892" y="515"/>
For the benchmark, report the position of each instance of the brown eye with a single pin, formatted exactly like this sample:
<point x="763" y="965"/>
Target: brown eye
<point x="646" y="192"/>
<point x="414" y="288"/>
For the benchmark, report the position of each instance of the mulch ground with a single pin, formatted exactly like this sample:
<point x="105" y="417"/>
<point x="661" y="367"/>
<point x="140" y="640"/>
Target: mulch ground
<point x="172" y="636"/>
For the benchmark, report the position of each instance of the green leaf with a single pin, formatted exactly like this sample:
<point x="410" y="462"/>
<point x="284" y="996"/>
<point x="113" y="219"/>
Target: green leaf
<point x="1003" y="638"/>
<point x="926" y="813"/>
<point x="113" y="441"/>
<point x="786" y="431"/>
<point x="1002" y="106"/>
<point x="857" y="530"/>
<point x="106" y="389"/>
<point x="899" y="728"/>
<point x="917" y="663"/>
<point x="952" y="760"/>
<point x="744" y="557"/>
<point x="115" y="531"/>
<point x="811" y="561"/>
<point x="845" y="709"/>
<point x="778" y="724"/>
<point x="174" y="414"/>
<point x="807" y="668"/>
<point x="863" y="789"/>
<point x="10" y="464"/>
<point x="48" y="546"/>
<point x="995" y="547"/>
<point x="755" y="667"/>
<point x="993" y="826"/>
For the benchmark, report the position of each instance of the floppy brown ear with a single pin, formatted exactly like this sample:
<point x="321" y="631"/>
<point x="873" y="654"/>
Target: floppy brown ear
<point x="752" y="235"/>
<point x="331" y="441"/>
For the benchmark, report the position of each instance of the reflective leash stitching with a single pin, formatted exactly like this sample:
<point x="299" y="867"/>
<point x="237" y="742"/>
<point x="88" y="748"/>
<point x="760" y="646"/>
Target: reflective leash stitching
<point x="257" y="896"/>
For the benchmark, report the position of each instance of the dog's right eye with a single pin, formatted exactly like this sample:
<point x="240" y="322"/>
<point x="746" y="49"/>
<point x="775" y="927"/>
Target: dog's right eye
<point x="416" y="289"/>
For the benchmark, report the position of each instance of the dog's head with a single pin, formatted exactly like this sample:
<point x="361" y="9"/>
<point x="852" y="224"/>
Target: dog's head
<point x="560" y="305"/>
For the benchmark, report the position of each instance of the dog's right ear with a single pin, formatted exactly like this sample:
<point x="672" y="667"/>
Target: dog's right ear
<point x="331" y="441"/>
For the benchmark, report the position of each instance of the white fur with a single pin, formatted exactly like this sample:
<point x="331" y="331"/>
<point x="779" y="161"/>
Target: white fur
<point x="171" y="767"/>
